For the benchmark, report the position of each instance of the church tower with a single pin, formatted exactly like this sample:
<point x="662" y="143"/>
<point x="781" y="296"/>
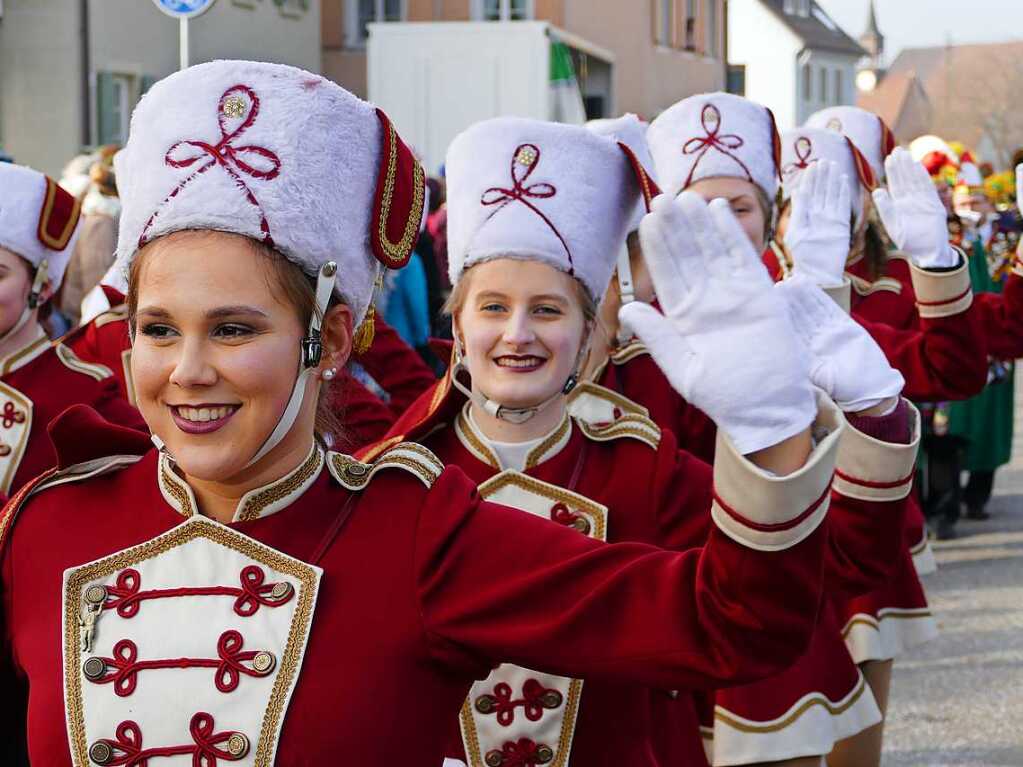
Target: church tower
<point x="872" y="40"/>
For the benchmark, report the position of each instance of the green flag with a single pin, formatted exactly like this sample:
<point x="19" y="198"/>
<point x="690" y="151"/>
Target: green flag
<point x="566" y="99"/>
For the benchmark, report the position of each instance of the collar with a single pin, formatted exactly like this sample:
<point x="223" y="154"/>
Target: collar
<point x="478" y="444"/>
<point x="258" y="502"/>
<point x="21" y="357"/>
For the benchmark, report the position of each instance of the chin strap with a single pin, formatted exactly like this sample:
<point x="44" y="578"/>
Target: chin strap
<point x="32" y="303"/>
<point x="626" y="288"/>
<point x="312" y="353"/>
<point x="516" y="415"/>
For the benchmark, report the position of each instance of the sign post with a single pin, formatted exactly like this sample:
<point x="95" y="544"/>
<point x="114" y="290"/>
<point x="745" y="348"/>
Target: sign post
<point x="183" y="10"/>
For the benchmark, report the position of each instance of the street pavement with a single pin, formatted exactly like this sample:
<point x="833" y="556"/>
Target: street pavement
<point x="959" y="699"/>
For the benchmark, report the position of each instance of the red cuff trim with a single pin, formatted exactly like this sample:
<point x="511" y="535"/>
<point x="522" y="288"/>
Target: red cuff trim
<point x="876" y="485"/>
<point x="778" y="526"/>
<point x="960" y="297"/>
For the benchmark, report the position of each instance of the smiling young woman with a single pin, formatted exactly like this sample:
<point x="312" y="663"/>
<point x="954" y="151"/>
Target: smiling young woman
<point x="526" y="279"/>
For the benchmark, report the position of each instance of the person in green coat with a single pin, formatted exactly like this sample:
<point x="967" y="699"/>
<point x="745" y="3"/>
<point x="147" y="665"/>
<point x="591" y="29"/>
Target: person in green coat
<point x="985" y="421"/>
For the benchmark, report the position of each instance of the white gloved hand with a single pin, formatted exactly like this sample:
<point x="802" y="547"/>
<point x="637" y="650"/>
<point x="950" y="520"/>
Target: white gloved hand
<point x="912" y="212"/>
<point x="846" y="362"/>
<point x="725" y="341"/>
<point x="820" y="227"/>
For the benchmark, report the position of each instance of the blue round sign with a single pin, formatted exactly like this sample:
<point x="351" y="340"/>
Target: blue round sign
<point x="184" y="9"/>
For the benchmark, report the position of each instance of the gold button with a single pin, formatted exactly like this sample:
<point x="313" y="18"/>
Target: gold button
<point x="281" y="590"/>
<point x="264" y="662"/>
<point x="96" y="595"/>
<point x="357" y="469"/>
<point x="551" y="699"/>
<point x="582" y="524"/>
<point x="494" y="759"/>
<point x="94" y="668"/>
<point x="485" y="704"/>
<point x="237" y="745"/>
<point x="234" y="106"/>
<point x="101" y="753"/>
<point x="544" y="754"/>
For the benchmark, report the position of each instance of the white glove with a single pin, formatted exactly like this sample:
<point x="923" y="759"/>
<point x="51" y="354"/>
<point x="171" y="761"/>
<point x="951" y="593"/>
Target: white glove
<point x="819" y="231"/>
<point x="912" y="212"/>
<point x="846" y="362"/>
<point x="725" y="341"/>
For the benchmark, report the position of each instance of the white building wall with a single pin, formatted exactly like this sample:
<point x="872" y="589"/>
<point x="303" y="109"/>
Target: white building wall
<point x="768" y="50"/>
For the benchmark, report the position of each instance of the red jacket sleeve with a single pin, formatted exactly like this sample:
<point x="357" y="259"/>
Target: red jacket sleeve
<point x="946" y="359"/>
<point x="1002" y="317"/>
<point x="496" y="585"/>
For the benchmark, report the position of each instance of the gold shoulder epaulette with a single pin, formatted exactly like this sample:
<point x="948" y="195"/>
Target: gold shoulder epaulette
<point x="866" y="287"/>
<point x="410" y="456"/>
<point x="71" y="361"/>
<point x="629" y="351"/>
<point x="627" y="425"/>
<point x="113" y="314"/>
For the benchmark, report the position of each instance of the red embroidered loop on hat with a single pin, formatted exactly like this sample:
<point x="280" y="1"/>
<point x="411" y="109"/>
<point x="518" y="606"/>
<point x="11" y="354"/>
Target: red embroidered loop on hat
<point x="399" y="200"/>
<point x="524" y="160"/>
<point x="262" y="164"/>
<point x="710" y="119"/>
<point x="803" y="148"/>
<point x="58" y="216"/>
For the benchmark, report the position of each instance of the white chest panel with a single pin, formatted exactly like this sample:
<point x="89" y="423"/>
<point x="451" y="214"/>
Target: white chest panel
<point x="184" y="649"/>
<point x="15" y="425"/>
<point x="517" y="715"/>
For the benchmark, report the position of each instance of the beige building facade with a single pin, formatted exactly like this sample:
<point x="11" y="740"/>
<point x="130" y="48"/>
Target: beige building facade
<point x="71" y="71"/>
<point x="663" y="50"/>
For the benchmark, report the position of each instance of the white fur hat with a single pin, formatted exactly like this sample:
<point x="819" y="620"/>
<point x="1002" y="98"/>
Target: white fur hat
<point x="868" y="133"/>
<point x="39" y="220"/>
<point x="631" y="131"/>
<point x="277" y="154"/>
<point x="541" y="191"/>
<point x="715" y="135"/>
<point x="802" y="147"/>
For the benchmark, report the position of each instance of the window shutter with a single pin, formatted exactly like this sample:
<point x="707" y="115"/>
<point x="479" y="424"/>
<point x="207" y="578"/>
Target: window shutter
<point x="105" y="108"/>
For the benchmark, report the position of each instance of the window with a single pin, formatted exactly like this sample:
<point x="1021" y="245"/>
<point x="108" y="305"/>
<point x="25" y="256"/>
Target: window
<point x="807" y="83"/>
<point x="839" y="87"/>
<point x="712" y="27"/>
<point x="690" y="25"/>
<point x="822" y="94"/>
<point x="663" y="21"/>
<point x="360" y="13"/>
<point x="503" y="10"/>
<point x="114" y="94"/>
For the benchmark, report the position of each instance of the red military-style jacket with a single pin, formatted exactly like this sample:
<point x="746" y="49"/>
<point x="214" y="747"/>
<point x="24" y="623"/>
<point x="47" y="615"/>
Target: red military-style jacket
<point x="586" y="470"/>
<point x="376" y="592"/>
<point x="1003" y="316"/>
<point x="105" y="340"/>
<point x="37" y="383"/>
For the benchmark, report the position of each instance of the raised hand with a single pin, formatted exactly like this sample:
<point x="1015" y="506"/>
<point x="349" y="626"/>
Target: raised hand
<point x="845" y="361"/>
<point x="820" y="227"/>
<point x="725" y="341"/>
<point x="912" y="212"/>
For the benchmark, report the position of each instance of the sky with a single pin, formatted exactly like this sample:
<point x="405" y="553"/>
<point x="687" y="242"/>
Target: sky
<point x="919" y="23"/>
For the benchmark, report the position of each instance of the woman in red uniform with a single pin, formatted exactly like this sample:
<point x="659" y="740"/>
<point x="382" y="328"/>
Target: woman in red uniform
<point x="39" y="225"/>
<point x="526" y="281"/>
<point x="240" y="593"/>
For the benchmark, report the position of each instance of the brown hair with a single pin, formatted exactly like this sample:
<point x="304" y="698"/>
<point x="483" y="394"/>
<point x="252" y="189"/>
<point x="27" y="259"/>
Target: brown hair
<point x="293" y="287"/>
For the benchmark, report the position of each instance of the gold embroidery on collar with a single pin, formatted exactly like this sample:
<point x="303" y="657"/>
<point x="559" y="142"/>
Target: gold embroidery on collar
<point x="26" y="354"/>
<point x="555" y="439"/>
<point x="178" y="536"/>
<point x="171" y="484"/>
<point x="255" y="502"/>
<point x="465" y="430"/>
